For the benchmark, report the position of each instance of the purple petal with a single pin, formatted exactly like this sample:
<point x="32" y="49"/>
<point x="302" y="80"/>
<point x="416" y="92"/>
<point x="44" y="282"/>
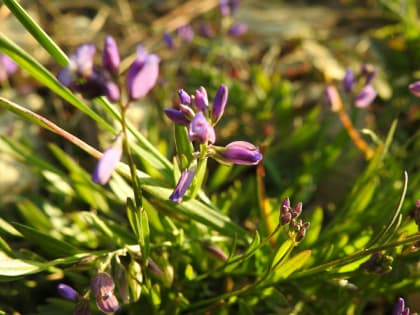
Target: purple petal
<point x="399" y="307"/>
<point x="108" y="162"/>
<point x="186" y="33"/>
<point x="242" y="153"/>
<point x="7" y="67"/>
<point x="184" y="97"/>
<point x="415" y="88"/>
<point x="111" y="57"/>
<point x="201" y="100"/>
<point x="112" y="91"/>
<point x="200" y="129"/>
<point x="83" y="59"/>
<point x="177" y="116"/>
<point x="349" y="80"/>
<point x="67" y="292"/>
<point x="365" y="97"/>
<point x="107" y="304"/>
<point x="238" y="29"/>
<point x="182" y="186"/>
<point x="168" y="40"/>
<point x="219" y="103"/>
<point x="142" y="75"/>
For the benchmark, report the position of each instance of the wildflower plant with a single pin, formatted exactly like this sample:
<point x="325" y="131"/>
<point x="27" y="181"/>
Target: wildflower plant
<point x="199" y="222"/>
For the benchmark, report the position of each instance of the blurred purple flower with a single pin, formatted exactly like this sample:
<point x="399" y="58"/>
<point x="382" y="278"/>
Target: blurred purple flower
<point x="168" y="40"/>
<point x="142" y="74"/>
<point x="349" y="80"/>
<point x="67" y="292"/>
<point x="201" y="100"/>
<point x="238" y="29"/>
<point x="369" y="72"/>
<point x="108" y="162"/>
<point x="365" y="97"/>
<point x="224" y="7"/>
<point x="400" y="309"/>
<point x="103" y="286"/>
<point x="186" y="33"/>
<point x="182" y="186"/>
<point x="206" y="30"/>
<point x="219" y="103"/>
<point x="200" y="130"/>
<point x="239" y="152"/>
<point x="415" y="88"/>
<point x="110" y="56"/>
<point x="82" y="61"/>
<point x="112" y="91"/>
<point x="7" y="67"/>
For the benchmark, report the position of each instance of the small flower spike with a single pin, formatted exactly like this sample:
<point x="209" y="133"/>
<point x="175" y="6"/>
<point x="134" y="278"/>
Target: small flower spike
<point x="108" y="162"/>
<point x="111" y="57"/>
<point x="415" y="88"/>
<point x="241" y="153"/>
<point x="142" y="74"/>
<point x="7" y="67"/>
<point x="200" y="130"/>
<point x="67" y="292"/>
<point x="182" y="186"/>
<point x="219" y="103"/>
<point x="365" y="97"/>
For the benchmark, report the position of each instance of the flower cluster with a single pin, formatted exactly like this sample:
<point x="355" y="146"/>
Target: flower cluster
<point x="360" y="85"/>
<point x="7" y="67"/>
<point x="199" y="118"/>
<point x="91" y="80"/>
<point x="290" y="215"/>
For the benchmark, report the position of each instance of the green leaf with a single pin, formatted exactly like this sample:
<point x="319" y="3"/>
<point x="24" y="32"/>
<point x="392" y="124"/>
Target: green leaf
<point x="37" y="32"/>
<point x="282" y="253"/>
<point x="10" y="267"/>
<point x="184" y="147"/>
<point x="291" y="265"/>
<point x="50" y="244"/>
<point x="34" y="216"/>
<point x="140" y="225"/>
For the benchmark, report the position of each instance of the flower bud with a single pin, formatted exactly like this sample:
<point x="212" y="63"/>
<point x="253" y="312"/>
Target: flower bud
<point x="108" y="162"/>
<point x="142" y="74"/>
<point x="168" y="40"/>
<point x="83" y="60"/>
<point x="285" y="205"/>
<point x="365" y="96"/>
<point x="285" y="218"/>
<point x="184" y="97"/>
<point x="102" y="285"/>
<point x="239" y="152"/>
<point x="111" y="57"/>
<point x="219" y="103"/>
<point x="415" y="88"/>
<point x="177" y="116"/>
<point x="67" y="292"/>
<point x="349" y="80"/>
<point x="297" y="210"/>
<point x="112" y="91"/>
<point x="300" y="235"/>
<point x="182" y="186"/>
<point x="399" y="307"/>
<point x="200" y="130"/>
<point x="201" y="99"/>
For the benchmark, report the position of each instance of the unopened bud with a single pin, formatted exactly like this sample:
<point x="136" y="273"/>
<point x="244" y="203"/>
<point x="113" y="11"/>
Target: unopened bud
<point x="297" y="210"/>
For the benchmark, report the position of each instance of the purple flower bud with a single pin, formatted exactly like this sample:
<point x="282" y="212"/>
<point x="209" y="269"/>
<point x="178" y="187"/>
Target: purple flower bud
<point x="108" y="162"/>
<point x="67" y="292"/>
<point x="186" y="33"/>
<point x="102" y="285"/>
<point x="415" y="88"/>
<point x="297" y="210"/>
<point x="107" y="304"/>
<point x="184" y="97"/>
<point x="285" y="205"/>
<point x="111" y="57"/>
<point x="7" y="67"/>
<point x="349" y="80"/>
<point x="201" y="100"/>
<point x="399" y="308"/>
<point x="200" y="130"/>
<point x="219" y="103"/>
<point x="82" y="61"/>
<point x="168" y="40"/>
<point x="285" y="218"/>
<point x="216" y="251"/>
<point x="365" y="96"/>
<point x="300" y="235"/>
<point x="241" y="152"/>
<point x="142" y="74"/>
<point x="112" y="91"/>
<point x="177" y="116"/>
<point x="224" y="7"/>
<point x="238" y="29"/>
<point x="182" y="186"/>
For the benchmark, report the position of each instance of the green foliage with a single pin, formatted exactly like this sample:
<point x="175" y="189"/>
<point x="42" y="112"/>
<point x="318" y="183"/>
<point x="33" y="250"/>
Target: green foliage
<point x="224" y="249"/>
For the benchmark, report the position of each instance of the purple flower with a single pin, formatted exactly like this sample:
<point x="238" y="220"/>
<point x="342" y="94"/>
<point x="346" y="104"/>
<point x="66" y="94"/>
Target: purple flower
<point x="186" y="33"/>
<point x="184" y="97"/>
<point x="182" y="186"/>
<point x="102" y="286"/>
<point x="112" y="91"/>
<point x="224" y="7"/>
<point x="82" y="61"/>
<point x="142" y="74"/>
<point x="177" y="116"/>
<point x="219" y="103"/>
<point x="349" y="80"/>
<point x="108" y="162"/>
<point x="399" y="308"/>
<point x="7" y="67"/>
<point x="201" y="100"/>
<point x="168" y="40"/>
<point x="107" y="304"/>
<point x="200" y="130"/>
<point x="67" y="292"/>
<point x="415" y="88"/>
<point x="365" y="96"/>
<point x="240" y="152"/>
<point x="238" y="29"/>
<point x="111" y="57"/>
